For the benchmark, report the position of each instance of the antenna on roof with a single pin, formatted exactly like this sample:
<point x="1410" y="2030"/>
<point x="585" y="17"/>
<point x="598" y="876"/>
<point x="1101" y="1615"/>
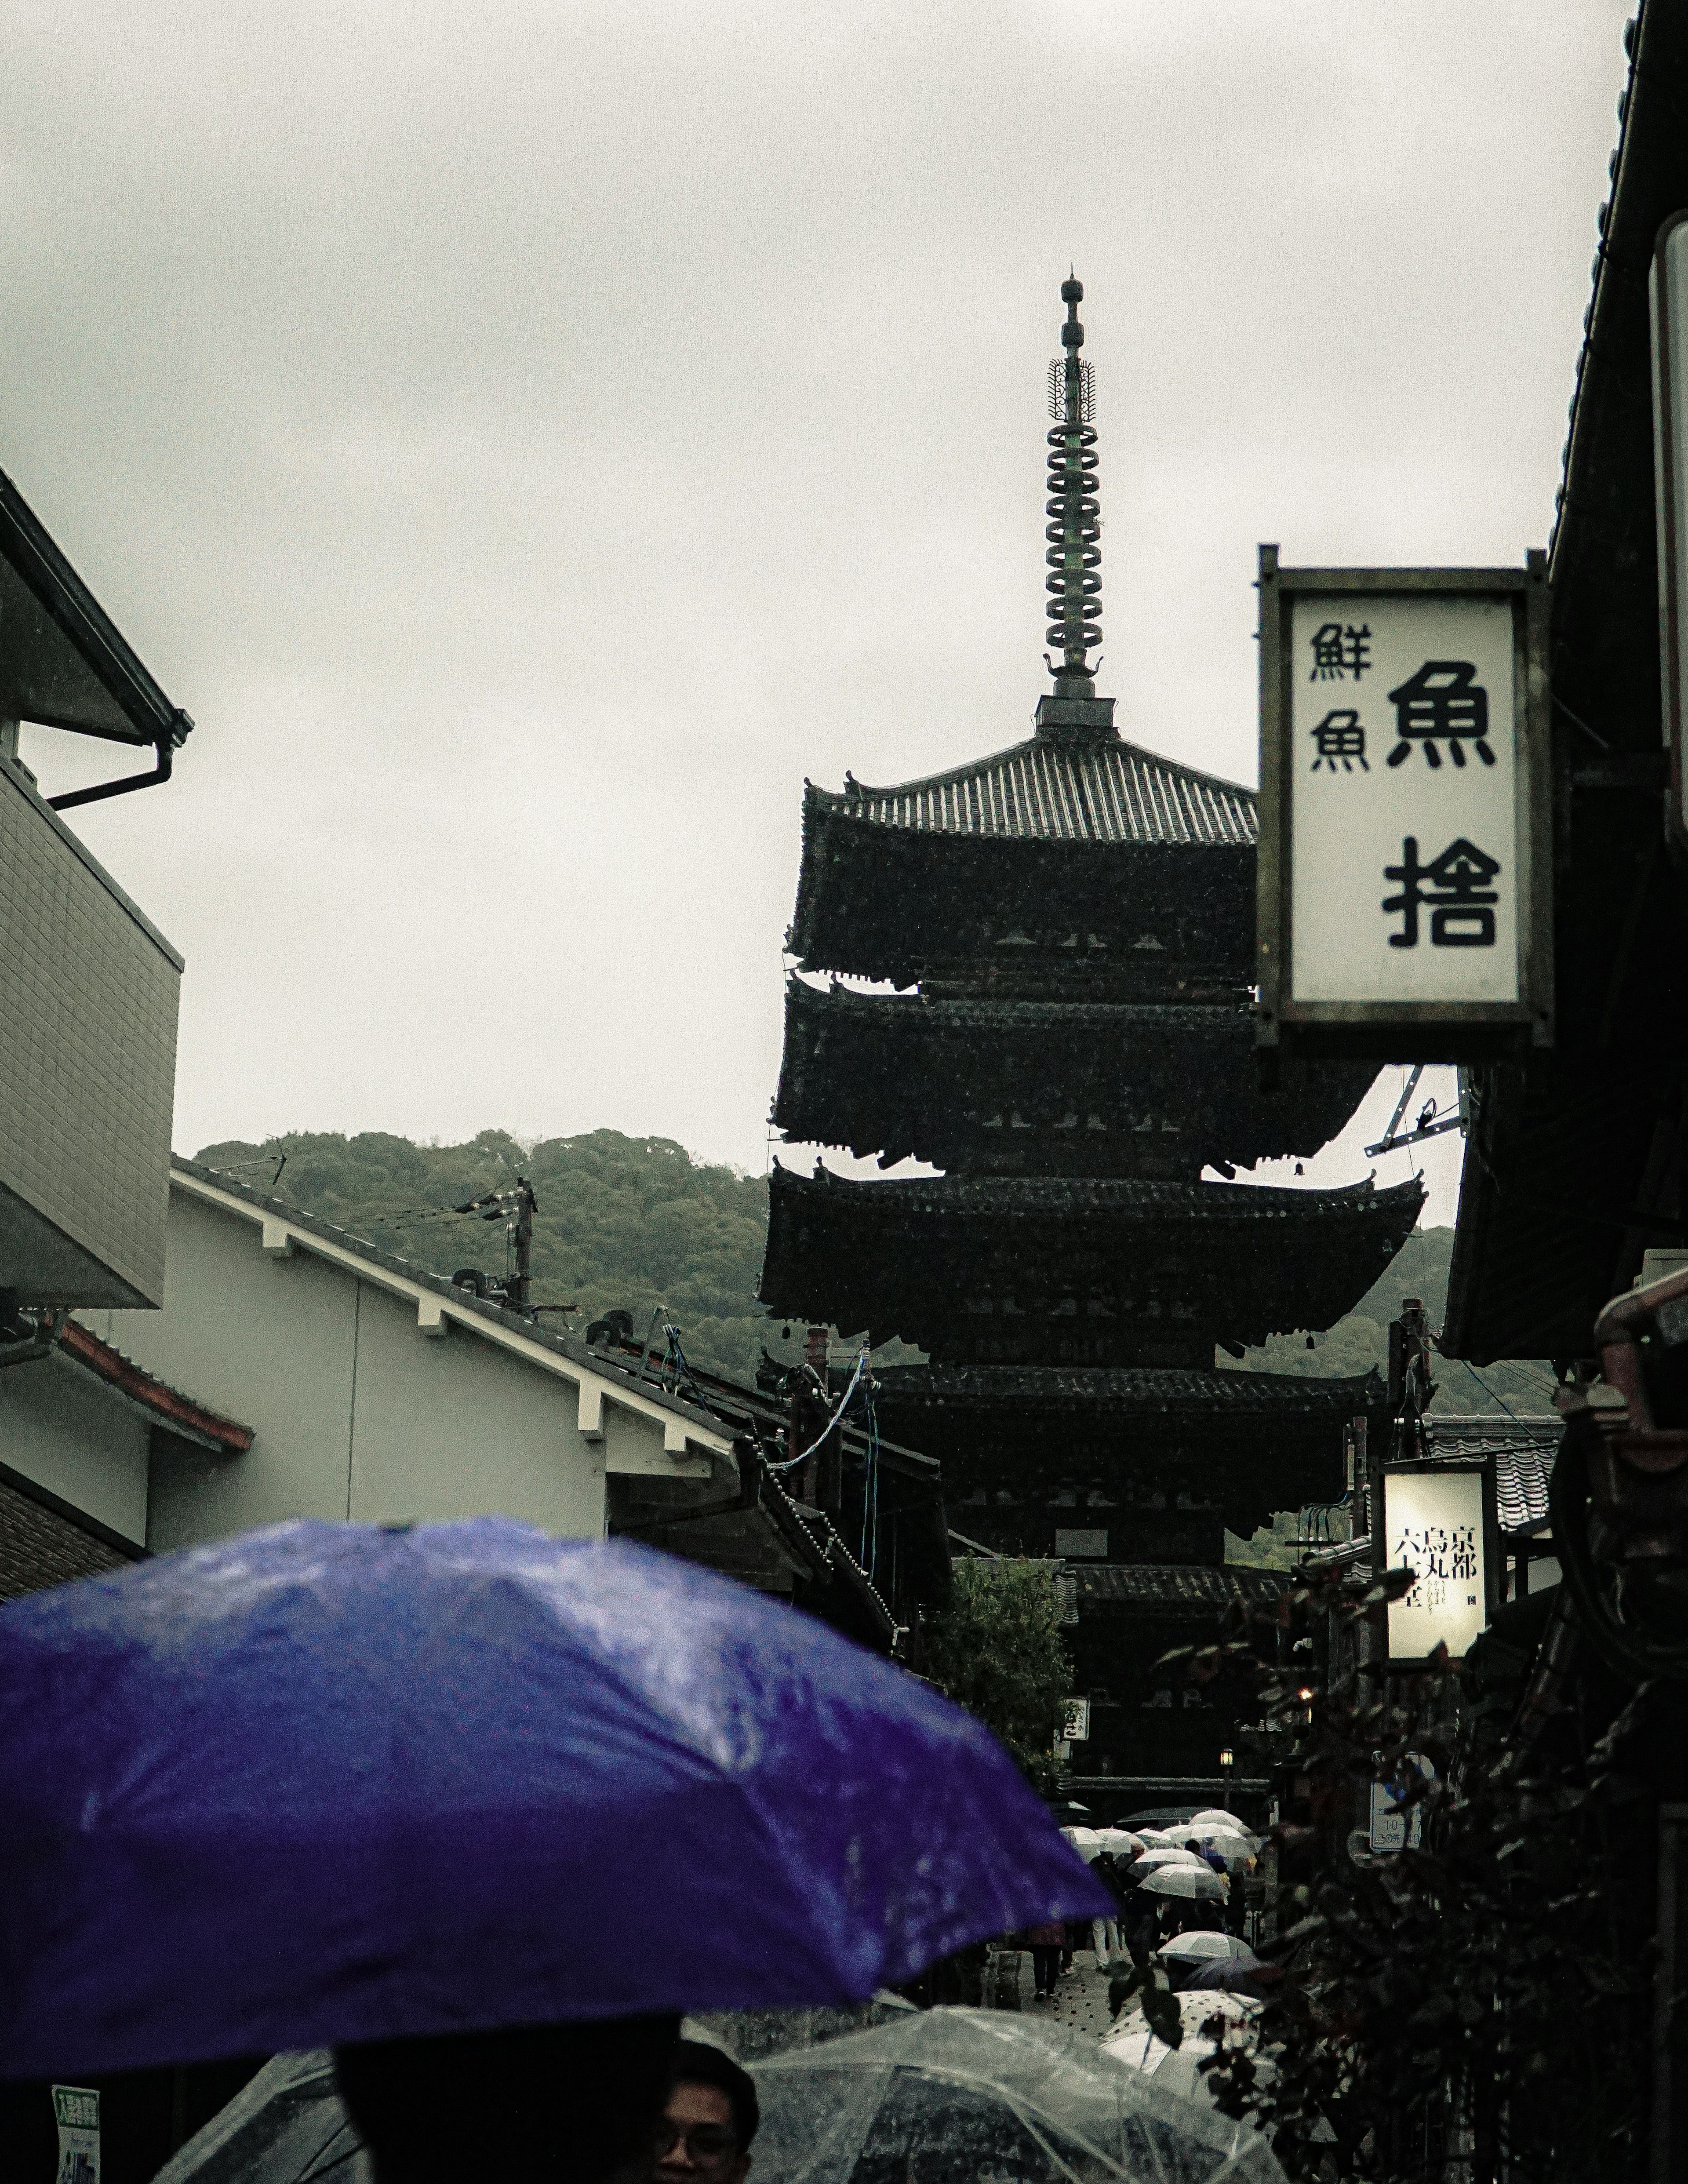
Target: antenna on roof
<point x="1074" y="583"/>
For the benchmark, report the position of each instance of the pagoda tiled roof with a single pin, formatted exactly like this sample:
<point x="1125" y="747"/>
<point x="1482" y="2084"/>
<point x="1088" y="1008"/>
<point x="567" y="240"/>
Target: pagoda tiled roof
<point x="1131" y="1388"/>
<point x="1034" y="1084"/>
<point x="1118" y="1197"/>
<point x="1059" y="789"/>
<point x="1091" y="1271"/>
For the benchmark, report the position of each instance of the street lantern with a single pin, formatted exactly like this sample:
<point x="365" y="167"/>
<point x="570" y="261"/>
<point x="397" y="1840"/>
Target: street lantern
<point x="1405" y="865"/>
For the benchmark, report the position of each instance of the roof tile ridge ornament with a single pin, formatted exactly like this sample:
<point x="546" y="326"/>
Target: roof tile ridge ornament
<point x="1073" y="711"/>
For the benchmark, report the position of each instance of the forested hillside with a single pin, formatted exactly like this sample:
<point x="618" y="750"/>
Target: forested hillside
<point x="637" y="1222"/>
<point x="634" y="1221"/>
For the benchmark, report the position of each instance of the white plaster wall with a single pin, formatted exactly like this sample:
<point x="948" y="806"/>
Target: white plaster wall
<point x="354" y="1411"/>
<point x="268" y="1342"/>
<point x="451" y="1426"/>
<point x="69" y="1433"/>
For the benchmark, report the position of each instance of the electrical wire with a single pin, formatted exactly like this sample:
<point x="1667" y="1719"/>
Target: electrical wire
<point x="791" y="1463"/>
<point x="1493" y="1394"/>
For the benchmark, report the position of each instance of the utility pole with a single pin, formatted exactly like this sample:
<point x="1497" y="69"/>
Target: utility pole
<point x="527" y="1205"/>
<point x="516" y="1209"/>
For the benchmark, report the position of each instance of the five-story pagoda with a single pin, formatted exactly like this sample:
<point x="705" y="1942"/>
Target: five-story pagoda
<point x="1068" y="927"/>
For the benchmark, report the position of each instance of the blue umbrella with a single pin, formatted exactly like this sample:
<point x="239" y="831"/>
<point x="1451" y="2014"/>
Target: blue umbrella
<point x="326" y="1783"/>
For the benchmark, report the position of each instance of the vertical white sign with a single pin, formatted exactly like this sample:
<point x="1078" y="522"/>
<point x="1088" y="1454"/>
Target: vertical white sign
<point x="1669" y="297"/>
<point x="76" y="2110"/>
<point x="1402" y="790"/>
<point x="1434" y="1523"/>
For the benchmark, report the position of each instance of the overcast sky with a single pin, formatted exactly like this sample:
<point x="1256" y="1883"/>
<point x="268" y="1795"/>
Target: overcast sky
<point x="532" y="438"/>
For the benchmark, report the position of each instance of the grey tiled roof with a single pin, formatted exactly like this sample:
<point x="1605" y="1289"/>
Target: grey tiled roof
<point x="1522" y="1450"/>
<point x="1048" y="790"/>
<point x="1161" y="1584"/>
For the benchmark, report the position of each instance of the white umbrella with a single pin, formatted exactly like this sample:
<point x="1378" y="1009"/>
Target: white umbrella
<point x="1118" y="1839"/>
<point x="1215" y="1818"/>
<point x="1203" y="1944"/>
<point x="1086" y="1841"/>
<point x="1193" y="1880"/>
<point x="1235" y="1850"/>
<point x="1154" y="1857"/>
<point x="1155" y="1835"/>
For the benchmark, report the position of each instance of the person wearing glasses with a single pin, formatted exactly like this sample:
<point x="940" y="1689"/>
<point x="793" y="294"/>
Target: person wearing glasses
<point x="709" y="2119"/>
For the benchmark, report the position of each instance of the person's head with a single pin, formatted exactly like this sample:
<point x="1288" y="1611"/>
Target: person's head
<point x="709" y="2119"/>
<point x="578" y="2103"/>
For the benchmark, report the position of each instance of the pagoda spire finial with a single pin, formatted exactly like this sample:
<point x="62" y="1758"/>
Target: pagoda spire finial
<point x="1074" y="583"/>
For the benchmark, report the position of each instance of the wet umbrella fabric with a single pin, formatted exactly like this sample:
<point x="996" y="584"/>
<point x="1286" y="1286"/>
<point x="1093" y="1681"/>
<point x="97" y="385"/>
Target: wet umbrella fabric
<point x="285" y="2126"/>
<point x="1215" y="1816"/>
<point x="947" y="2096"/>
<point x="328" y="1782"/>
<point x="1193" y="1880"/>
<point x="1205" y="1943"/>
<point x="940" y="2094"/>
<point x="1175" y="2071"/>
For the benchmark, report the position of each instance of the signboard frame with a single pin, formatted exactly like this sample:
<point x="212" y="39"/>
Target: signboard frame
<point x="1671" y="492"/>
<point x="1482" y="1469"/>
<point x="1404" y="1030"/>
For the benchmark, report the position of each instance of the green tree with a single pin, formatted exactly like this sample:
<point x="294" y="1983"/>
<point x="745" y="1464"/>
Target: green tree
<point x="996" y="1649"/>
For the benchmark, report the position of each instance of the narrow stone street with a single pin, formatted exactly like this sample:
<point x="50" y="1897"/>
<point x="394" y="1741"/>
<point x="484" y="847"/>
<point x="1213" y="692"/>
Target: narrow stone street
<point x="1080" y="1998"/>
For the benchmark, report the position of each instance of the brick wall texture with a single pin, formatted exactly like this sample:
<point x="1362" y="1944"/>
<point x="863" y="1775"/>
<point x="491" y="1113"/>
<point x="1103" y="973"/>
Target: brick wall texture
<point x="87" y="1065"/>
<point x="39" y="1547"/>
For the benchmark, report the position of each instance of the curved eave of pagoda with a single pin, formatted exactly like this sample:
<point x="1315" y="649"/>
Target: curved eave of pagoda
<point x="886" y="901"/>
<point x="925" y="1258"/>
<point x="900" y="1073"/>
<point x="1238" y="1398"/>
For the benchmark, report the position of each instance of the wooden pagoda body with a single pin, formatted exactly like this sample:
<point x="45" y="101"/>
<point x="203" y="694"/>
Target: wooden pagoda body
<point x="1069" y="925"/>
<point x="1062" y="939"/>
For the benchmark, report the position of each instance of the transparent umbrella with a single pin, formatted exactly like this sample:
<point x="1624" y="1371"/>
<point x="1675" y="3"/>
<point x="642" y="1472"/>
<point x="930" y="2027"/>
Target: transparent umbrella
<point x="1177" y="2069"/>
<point x="1217" y="1817"/>
<point x="940" y="2097"/>
<point x="1204" y="1944"/>
<point x="1224" y="1842"/>
<point x="1192" y="1880"/>
<point x="951" y="2096"/>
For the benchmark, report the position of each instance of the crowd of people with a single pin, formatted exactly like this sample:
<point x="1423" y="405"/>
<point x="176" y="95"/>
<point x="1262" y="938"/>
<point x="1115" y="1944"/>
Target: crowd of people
<point x="1143" y="1920"/>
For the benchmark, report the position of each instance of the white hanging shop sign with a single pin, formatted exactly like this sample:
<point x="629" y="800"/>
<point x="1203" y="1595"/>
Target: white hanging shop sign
<point x="1405" y="874"/>
<point x="1439" y="1522"/>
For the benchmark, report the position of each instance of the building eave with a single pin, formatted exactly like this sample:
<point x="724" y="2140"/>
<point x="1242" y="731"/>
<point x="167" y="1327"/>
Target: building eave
<point x="155" y="1399"/>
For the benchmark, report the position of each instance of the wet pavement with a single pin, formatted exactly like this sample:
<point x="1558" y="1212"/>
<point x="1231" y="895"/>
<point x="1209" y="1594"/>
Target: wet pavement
<point x="1080" y="2001"/>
